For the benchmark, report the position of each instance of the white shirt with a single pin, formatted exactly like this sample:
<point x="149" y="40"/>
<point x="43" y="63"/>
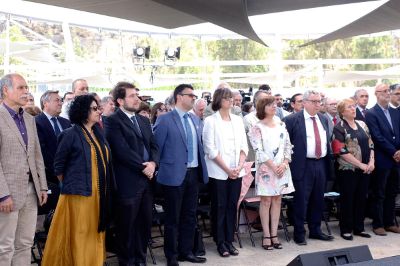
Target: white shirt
<point x="310" y="136"/>
<point x="49" y="117"/>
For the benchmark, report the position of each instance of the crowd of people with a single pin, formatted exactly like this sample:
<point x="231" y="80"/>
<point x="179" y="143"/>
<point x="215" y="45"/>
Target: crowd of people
<point x="98" y="162"/>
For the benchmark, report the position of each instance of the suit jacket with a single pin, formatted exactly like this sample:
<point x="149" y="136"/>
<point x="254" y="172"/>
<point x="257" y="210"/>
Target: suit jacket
<point x="127" y="151"/>
<point x="214" y="143"/>
<point x="359" y="115"/>
<point x="330" y="124"/>
<point x="296" y="127"/>
<point x="18" y="159"/>
<point x="48" y="142"/>
<point x="171" y="139"/>
<point x="386" y="140"/>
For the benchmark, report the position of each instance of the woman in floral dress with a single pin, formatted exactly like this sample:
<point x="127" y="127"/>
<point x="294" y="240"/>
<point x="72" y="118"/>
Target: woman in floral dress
<point x="273" y="149"/>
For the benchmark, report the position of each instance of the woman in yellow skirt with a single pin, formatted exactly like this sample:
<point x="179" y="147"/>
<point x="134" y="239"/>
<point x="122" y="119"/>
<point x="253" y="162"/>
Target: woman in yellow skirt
<point x="82" y="164"/>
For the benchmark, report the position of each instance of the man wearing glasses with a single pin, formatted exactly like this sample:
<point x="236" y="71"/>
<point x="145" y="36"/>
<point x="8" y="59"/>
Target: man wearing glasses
<point x="181" y="167"/>
<point x="394" y="96"/>
<point x="308" y="131"/>
<point x="383" y="122"/>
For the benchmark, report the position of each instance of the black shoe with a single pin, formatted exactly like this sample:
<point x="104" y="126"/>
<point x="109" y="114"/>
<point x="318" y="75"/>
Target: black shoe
<point x="140" y="264"/>
<point x="231" y="248"/>
<point x="347" y="236"/>
<point x="300" y="242"/>
<point x="192" y="258"/>
<point x="363" y="234"/>
<point x="222" y="250"/>
<point x="322" y="236"/>
<point x="172" y="263"/>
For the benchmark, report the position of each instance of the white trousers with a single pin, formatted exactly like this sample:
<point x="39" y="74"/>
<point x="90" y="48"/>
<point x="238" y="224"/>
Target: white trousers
<point x="17" y="230"/>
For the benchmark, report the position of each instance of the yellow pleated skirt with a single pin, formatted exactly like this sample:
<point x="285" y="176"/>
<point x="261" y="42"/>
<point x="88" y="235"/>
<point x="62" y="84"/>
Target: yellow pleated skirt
<point x="73" y="239"/>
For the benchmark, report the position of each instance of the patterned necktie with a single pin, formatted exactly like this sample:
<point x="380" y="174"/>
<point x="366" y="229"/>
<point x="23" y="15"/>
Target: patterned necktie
<point x="57" y="129"/>
<point x="318" y="150"/>
<point x="137" y="129"/>
<point x="189" y="137"/>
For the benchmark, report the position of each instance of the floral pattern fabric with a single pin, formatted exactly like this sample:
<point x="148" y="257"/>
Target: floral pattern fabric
<point x="271" y="144"/>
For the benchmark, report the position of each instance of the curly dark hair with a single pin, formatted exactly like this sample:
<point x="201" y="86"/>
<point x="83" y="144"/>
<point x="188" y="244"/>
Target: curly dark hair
<point x="80" y="108"/>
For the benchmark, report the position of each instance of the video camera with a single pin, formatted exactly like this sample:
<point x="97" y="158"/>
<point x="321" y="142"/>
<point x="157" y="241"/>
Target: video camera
<point x="246" y="96"/>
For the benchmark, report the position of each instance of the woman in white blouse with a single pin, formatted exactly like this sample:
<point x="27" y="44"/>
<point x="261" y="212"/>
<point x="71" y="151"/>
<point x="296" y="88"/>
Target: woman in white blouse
<point x="273" y="150"/>
<point x="225" y="147"/>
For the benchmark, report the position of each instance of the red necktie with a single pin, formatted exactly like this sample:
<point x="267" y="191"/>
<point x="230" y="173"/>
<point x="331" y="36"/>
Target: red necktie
<point x="318" y="151"/>
<point x="334" y="120"/>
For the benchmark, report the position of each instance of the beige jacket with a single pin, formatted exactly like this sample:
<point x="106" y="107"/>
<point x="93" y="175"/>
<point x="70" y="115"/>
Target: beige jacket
<point x="16" y="160"/>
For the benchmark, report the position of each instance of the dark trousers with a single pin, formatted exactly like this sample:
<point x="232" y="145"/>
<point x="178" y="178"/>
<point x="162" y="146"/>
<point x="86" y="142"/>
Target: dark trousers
<point x="353" y="188"/>
<point x="133" y="226"/>
<point x="224" y="198"/>
<point x="180" y="208"/>
<point x="309" y="198"/>
<point x="384" y="184"/>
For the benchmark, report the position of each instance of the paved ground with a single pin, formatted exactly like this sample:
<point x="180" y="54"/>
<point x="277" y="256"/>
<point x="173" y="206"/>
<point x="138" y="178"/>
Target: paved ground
<point x="379" y="246"/>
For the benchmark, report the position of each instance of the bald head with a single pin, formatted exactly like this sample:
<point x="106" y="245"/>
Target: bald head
<point x="382" y="94"/>
<point x="199" y="107"/>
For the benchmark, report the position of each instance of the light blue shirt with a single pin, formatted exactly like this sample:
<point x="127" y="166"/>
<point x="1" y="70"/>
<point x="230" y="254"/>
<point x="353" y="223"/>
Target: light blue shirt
<point x="387" y="114"/>
<point x="195" y="162"/>
<point x="51" y="122"/>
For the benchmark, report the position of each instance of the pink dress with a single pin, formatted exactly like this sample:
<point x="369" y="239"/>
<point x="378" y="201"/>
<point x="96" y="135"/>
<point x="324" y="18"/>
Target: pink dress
<point x="271" y="143"/>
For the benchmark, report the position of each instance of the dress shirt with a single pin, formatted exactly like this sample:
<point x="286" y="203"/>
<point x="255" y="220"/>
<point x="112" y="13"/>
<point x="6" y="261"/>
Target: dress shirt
<point x="387" y="114"/>
<point x="362" y="110"/>
<point x="311" y="137"/>
<point x="195" y="161"/>
<point x="49" y="117"/>
<point x="19" y="121"/>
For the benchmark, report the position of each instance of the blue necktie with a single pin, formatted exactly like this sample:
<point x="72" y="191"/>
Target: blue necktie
<point x="57" y="129"/>
<point x="137" y="128"/>
<point x="189" y="138"/>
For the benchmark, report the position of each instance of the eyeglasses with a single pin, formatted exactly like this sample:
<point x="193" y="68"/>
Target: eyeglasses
<point x="191" y="95"/>
<point x="332" y="104"/>
<point x="228" y="98"/>
<point x="383" y="91"/>
<point x="314" y="101"/>
<point x="95" y="108"/>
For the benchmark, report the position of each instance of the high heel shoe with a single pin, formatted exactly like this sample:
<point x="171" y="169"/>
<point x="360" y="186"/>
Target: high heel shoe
<point x="267" y="247"/>
<point x="276" y="245"/>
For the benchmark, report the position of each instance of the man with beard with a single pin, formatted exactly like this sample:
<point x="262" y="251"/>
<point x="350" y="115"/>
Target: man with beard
<point x="181" y="167"/>
<point x="135" y="156"/>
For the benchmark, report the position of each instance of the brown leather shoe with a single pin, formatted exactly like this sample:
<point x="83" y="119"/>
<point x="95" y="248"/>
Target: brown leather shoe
<point x="379" y="231"/>
<point x="393" y="229"/>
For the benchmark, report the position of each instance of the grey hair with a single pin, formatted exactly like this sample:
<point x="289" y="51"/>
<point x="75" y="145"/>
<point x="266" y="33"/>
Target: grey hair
<point x="257" y="94"/>
<point x="234" y="93"/>
<point x="46" y="97"/>
<point x="197" y="102"/>
<point x="6" y="81"/>
<point x="308" y="93"/>
<point x="358" y="91"/>
<point x="105" y="99"/>
<point x="74" y="83"/>
<point x="170" y="101"/>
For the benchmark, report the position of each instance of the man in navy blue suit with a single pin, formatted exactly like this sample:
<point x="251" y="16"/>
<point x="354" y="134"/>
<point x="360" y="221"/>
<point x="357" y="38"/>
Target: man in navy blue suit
<point x="49" y="125"/>
<point x="361" y="96"/>
<point x="308" y="131"/>
<point x="383" y="123"/>
<point x="181" y="167"/>
<point x="135" y="157"/>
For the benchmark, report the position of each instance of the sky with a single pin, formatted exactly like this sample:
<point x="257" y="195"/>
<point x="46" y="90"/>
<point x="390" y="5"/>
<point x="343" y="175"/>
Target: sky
<point x="309" y="22"/>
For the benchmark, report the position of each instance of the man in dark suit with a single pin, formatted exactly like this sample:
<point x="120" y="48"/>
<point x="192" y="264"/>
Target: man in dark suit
<point x="361" y="97"/>
<point x="181" y="166"/>
<point x="135" y="156"/>
<point x="308" y="131"/>
<point x="383" y="123"/>
<point x="49" y="125"/>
